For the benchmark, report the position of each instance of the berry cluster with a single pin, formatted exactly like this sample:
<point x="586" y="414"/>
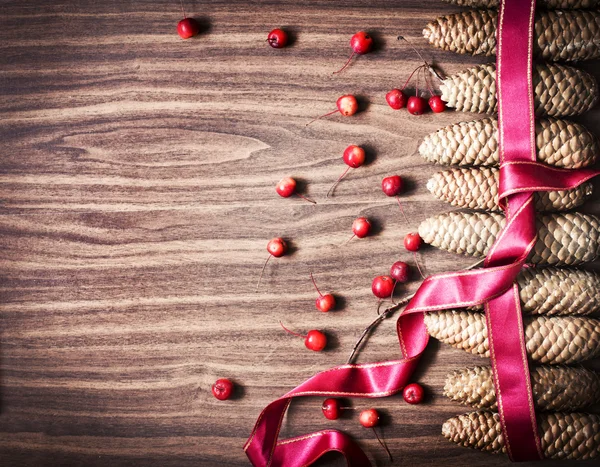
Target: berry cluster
<point x="416" y="105"/>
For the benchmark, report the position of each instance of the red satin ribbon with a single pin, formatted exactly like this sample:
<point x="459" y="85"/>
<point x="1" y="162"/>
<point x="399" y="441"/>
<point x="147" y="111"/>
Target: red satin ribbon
<point x="494" y="286"/>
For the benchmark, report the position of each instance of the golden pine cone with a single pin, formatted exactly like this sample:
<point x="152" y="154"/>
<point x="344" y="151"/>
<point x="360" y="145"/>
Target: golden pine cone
<point x="559" y="143"/>
<point x="559" y="90"/>
<point x="559" y="35"/>
<point x="562" y="435"/>
<point x="477" y="188"/>
<point x="554" y="388"/>
<point x="552" y="340"/>
<point x="563" y="239"/>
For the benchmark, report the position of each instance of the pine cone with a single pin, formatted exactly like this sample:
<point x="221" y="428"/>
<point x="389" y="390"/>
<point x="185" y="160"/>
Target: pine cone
<point x="477" y="188"/>
<point x="562" y="435"/>
<point x="554" y="388"/>
<point x="560" y="143"/>
<point x="548" y="4"/>
<point x="552" y="340"/>
<point x="559" y="90"/>
<point x="563" y="239"/>
<point x="559" y="35"/>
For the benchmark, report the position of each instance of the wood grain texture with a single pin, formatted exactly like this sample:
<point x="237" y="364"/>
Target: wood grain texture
<point x="137" y="177"/>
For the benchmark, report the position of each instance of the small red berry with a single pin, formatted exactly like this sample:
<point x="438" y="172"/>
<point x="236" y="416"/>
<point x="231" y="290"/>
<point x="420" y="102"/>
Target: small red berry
<point x="396" y="99"/>
<point x="382" y="286"/>
<point x="286" y="187"/>
<point x="315" y="340"/>
<point x="277" y="38"/>
<point x="325" y="303"/>
<point x="331" y="408"/>
<point x="369" y="418"/>
<point x="361" y="227"/>
<point x="354" y="156"/>
<point x="400" y="271"/>
<point x="277" y="247"/>
<point x="416" y="105"/>
<point x="361" y="43"/>
<point x="347" y="105"/>
<point x="392" y="185"/>
<point x="222" y="389"/>
<point x="188" y="27"/>
<point x="413" y="393"/>
<point x="437" y="104"/>
<point x="412" y="241"/>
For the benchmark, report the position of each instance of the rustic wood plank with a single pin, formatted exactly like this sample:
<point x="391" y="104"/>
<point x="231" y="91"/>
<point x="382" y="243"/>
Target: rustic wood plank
<point x="136" y="200"/>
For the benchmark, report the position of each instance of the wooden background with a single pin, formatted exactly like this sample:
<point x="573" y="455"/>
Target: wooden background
<point x="136" y="200"/>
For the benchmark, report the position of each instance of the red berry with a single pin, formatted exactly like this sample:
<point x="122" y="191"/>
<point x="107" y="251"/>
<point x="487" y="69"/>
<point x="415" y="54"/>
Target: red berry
<point x="277" y="38"/>
<point x="416" y="105"/>
<point x="437" y="104"/>
<point x="412" y="241"/>
<point x="222" y="389"/>
<point x="400" y="271"/>
<point x="325" y="303"/>
<point x="188" y="27"/>
<point x="277" y="247"/>
<point x="286" y="187"/>
<point x="392" y="186"/>
<point x="413" y="393"/>
<point x="382" y="286"/>
<point x="315" y="340"/>
<point x="347" y="105"/>
<point x="331" y="408"/>
<point x="369" y="418"/>
<point x="361" y="227"/>
<point x="361" y="43"/>
<point x="354" y="156"/>
<point x="396" y="99"/>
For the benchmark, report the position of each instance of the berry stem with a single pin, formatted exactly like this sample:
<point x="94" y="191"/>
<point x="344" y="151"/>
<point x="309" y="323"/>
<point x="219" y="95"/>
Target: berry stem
<point x="387" y="313"/>
<point x="431" y="69"/>
<point x="417" y="84"/>
<point x="306" y="199"/>
<point x="418" y="266"/>
<point x="413" y="47"/>
<point x="262" y="272"/>
<point x="401" y="209"/>
<point x="379" y="302"/>
<point x="428" y="83"/>
<point x="347" y="63"/>
<point x="182" y="10"/>
<point x="410" y="77"/>
<point x="383" y="445"/>
<point x="291" y="332"/>
<point x="392" y="296"/>
<point x="332" y="189"/>
<point x="326" y="115"/>
<point x="315" y="284"/>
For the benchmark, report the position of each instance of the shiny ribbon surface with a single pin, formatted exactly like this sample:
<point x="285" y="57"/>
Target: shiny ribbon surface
<point x="494" y="286"/>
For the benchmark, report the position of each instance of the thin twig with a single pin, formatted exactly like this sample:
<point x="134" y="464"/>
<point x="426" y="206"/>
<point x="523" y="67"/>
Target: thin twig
<point x="431" y="68"/>
<point x="388" y="312"/>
